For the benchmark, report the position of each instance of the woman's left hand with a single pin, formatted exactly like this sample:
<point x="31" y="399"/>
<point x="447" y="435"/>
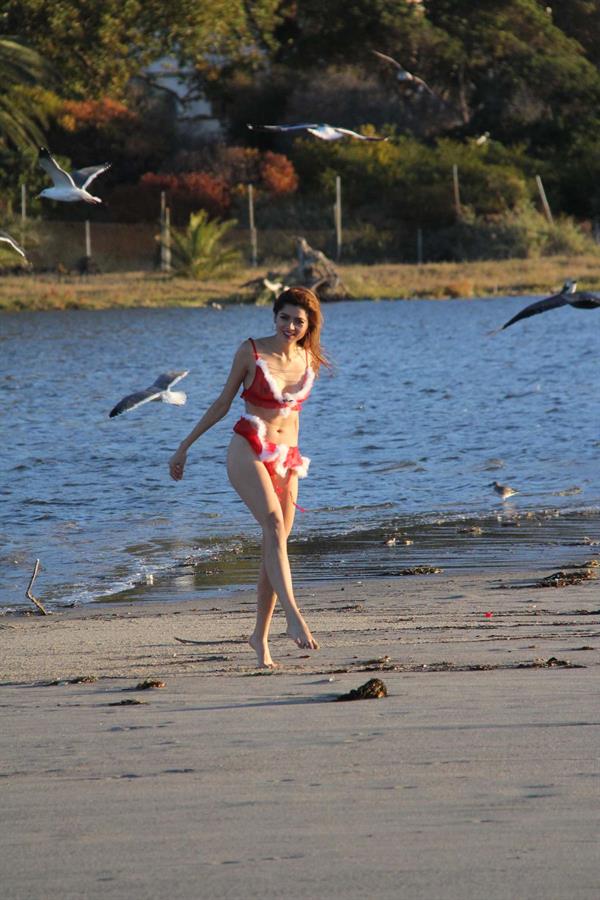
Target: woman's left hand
<point x="177" y="464"/>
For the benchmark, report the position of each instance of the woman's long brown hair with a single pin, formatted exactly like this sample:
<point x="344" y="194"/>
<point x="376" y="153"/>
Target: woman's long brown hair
<point x="309" y="302"/>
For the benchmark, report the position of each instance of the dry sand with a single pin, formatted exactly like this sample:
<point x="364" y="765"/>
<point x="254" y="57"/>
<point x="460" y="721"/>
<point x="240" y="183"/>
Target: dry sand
<point x="476" y="777"/>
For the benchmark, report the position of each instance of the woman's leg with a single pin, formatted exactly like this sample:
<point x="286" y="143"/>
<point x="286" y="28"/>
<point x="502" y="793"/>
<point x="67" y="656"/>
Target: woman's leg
<point x="266" y="596"/>
<point x="251" y="481"/>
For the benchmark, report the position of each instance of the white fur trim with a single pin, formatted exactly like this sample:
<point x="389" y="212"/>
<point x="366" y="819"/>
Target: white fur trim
<point x="302" y="471"/>
<point x="287" y="396"/>
<point x="304" y="391"/>
<point x="280" y="467"/>
<point x="261" y="428"/>
<point x="279" y="454"/>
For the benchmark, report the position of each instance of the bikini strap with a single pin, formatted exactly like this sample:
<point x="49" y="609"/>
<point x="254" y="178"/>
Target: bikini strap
<point x="254" y="348"/>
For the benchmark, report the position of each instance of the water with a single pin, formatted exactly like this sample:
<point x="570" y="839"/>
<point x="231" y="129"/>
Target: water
<point x="423" y="411"/>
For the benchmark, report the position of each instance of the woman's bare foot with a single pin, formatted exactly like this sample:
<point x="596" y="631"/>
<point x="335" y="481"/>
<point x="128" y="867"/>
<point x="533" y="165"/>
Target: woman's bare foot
<point x="261" y="648"/>
<point x="299" y="632"/>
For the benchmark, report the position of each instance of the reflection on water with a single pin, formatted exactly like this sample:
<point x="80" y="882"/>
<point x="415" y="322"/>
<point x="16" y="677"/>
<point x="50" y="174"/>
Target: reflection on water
<point x="422" y="412"/>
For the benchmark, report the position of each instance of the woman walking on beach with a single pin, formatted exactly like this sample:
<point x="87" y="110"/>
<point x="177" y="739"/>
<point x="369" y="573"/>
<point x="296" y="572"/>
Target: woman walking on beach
<point x="263" y="461"/>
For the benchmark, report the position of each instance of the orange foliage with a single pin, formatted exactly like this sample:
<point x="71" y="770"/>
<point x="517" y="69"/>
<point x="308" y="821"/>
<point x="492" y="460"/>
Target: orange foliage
<point x="190" y="191"/>
<point x="78" y="114"/>
<point x="278" y="174"/>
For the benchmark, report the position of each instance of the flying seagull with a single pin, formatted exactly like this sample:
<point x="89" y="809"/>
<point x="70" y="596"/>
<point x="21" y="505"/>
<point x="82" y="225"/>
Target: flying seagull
<point x="406" y="77"/>
<point x="160" y="390"/>
<point x="69" y="188"/>
<point x="324" y="132"/>
<point x="568" y="296"/>
<point x="503" y="490"/>
<point x="4" y="236"/>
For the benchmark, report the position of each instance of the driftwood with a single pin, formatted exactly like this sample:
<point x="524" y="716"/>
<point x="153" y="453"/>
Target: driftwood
<point x="313" y="270"/>
<point x="317" y="272"/>
<point x="28" y="593"/>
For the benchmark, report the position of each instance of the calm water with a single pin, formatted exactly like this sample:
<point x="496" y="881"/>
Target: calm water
<point x="423" y="411"/>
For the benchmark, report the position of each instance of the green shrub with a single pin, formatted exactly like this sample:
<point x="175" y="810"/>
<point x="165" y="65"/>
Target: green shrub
<point x="198" y="251"/>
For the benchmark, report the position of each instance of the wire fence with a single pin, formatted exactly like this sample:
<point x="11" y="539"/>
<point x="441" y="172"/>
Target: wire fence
<point x="119" y="247"/>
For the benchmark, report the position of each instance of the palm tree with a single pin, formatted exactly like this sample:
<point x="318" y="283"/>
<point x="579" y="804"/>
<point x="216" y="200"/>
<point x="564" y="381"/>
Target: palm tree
<point x="20" y="66"/>
<point x="198" y="251"/>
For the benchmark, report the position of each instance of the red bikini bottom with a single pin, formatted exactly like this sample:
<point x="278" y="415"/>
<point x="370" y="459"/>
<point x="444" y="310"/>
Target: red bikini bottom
<point x="278" y="459"/>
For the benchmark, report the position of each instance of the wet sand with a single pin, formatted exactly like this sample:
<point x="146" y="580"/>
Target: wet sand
<point x="477" y="775"/>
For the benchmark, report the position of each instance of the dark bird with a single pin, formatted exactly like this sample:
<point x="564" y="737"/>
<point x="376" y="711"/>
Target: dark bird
<point x="322" y="131"/>
<point x="160" y="390"/>
<point x="69" y="187"/>
<point x="4" y="236"/>
<point x="567" y="296"/>
<point x="405" y="77"/>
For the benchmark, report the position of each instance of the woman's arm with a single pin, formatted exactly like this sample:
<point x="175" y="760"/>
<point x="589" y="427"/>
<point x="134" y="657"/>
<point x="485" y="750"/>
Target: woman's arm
<point x="215" y="412"/>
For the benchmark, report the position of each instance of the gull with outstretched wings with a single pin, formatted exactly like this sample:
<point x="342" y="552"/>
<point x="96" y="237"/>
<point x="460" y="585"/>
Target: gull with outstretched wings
<point x="5" y="236"/>
<point x="404" y="76"/>
<point x="322" y="131"/>
<point x="567" y="296"/>
<point x="69" y="187"/>
<point x="159" y="390"/>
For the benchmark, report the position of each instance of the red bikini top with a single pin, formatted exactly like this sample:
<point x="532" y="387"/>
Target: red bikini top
<point x="265" y="392"/>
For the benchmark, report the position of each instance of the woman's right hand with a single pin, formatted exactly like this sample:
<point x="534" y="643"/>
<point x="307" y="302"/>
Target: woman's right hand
<point x="177" y="464"/>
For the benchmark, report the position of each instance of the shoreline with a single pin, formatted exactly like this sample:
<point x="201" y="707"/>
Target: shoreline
<point x="380" y="281"/>
<point x="105" y="639"/>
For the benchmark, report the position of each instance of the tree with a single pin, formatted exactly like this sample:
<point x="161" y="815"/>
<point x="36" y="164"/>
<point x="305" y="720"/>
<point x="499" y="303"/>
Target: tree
<point x="99" y="47"/>
<point x="20" y="66"/>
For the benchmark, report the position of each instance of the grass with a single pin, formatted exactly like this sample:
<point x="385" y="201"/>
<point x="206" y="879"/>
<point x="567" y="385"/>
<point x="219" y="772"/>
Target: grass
<point x="382" y="281"/>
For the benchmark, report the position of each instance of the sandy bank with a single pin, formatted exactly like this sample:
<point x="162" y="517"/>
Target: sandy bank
<point x="476" y="776"/>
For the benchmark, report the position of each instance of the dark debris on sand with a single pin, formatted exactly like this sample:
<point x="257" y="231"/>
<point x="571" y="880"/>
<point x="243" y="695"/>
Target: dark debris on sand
<point x="374" y="689"/>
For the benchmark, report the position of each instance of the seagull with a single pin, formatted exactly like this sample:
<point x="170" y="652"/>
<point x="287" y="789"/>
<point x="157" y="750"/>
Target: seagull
<point x="503" y="490"/>
<point x="324" y="132"/>
<point x="69" y="188"/>
<point x="160" y="390"/>
<point x="406" y="77"/>
<point x="4" y="236"/>
<point x="567" y="296"/>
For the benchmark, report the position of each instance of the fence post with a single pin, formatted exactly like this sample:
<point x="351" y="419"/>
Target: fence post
<point x="165" y="240"/>
<point x="456" y="184"/>
<point x="88" y="240"/>
<point x="23" y="213"/>
<point x="545" y="204"/>
<point x="419" y="246"/>
<point x="337" y="212"/>
<point x="253" y="235"/>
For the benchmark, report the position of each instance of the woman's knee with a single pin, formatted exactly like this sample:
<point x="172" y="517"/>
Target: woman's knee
<point x="274" y="528"/>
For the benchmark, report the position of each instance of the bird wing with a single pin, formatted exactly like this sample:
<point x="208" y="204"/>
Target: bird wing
<point x="539" y="306"/>
<point x="167" y="380"/>
<point x="52" y="168"/>
<point x="131" y="401"/>
<point x="584" y="300"/>
<point x="83" y="177"/>
<point x="283" y="127"/>
<point x="421" y="83"/>
<point x="389" y="59"/>
<point x="4" y="236"/>
<point x="355" y="134"/>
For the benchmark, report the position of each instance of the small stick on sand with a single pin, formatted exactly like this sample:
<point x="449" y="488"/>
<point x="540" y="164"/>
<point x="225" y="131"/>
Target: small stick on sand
<point x="30" y="596"/>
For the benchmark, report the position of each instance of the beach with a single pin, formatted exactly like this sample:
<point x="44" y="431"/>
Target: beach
<point x="476" y="775"/>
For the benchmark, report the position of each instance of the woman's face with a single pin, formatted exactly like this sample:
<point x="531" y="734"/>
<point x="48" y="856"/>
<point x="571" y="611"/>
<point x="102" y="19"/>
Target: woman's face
<point x="291" y="323"/>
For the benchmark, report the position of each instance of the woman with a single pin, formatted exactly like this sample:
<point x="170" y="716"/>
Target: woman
<point x="263" y="461"/>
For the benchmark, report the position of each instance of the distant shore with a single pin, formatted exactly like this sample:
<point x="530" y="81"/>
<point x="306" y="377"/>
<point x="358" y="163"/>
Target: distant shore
<point x="384" y="281"/>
